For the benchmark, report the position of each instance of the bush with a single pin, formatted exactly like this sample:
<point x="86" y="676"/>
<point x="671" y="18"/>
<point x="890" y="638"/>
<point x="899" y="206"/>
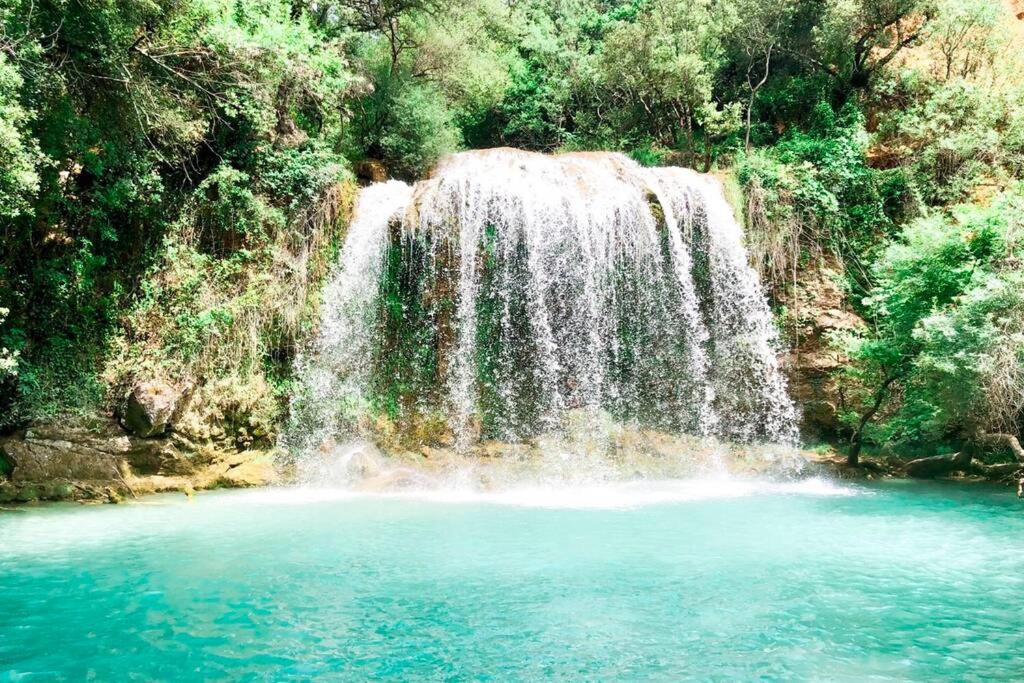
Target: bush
<point x="405" y="123"/>
<point x="947" y="310"/>
<point x="813" y="194"/>
<point x="955" y="136"/>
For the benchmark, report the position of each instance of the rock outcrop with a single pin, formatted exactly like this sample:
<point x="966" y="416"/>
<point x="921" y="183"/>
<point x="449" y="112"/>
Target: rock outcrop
<point x="818" y="310"/>
<point x="102" y="463"/>
<point x="371" y="170"/>
<point x="150" y="408"/>
<point x="938" y="465"/>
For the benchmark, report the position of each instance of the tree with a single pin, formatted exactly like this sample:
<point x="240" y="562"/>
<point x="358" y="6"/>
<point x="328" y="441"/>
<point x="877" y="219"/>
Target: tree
<point x="760" y="29"/>
<point x="390" y="19"/>
<point x="19" y="152"/>
<point x="965" y="34"/>
<point x="853" y="40"/>
<point x="660" y="69"/>
<point x="111" y="113"/>
<point x="943" y="310"/>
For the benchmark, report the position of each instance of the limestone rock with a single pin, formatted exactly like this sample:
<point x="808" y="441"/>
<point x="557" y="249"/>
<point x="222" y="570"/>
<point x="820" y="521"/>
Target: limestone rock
<point x="101" y="463"/>
<point x="150" y="408"/>
<point x="255" y="472"/>
<point x="819" y="310"/>
<point x="51" y="462"/>
<point x="49" y="453"/>
<point x="1003" y="471"/>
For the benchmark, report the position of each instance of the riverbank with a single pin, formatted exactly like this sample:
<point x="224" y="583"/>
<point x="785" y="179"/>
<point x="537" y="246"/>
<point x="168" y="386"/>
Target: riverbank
<point x="102" y="463"/>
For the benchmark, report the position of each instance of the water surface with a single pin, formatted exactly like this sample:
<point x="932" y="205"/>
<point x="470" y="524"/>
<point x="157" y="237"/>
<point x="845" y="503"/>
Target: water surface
<point x="710" y="581"/>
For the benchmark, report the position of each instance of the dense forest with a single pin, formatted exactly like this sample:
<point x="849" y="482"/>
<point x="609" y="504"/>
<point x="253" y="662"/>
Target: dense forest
<point x="175" y="175"/>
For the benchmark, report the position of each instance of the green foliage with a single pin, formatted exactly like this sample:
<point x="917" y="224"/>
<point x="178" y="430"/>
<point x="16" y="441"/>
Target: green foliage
<point x="955" y="136"/>
<point x="947" y="311"/>
<point x="404" y="123"/>
<point x="114" y="116"/>
<point x="967" y="36"/>
<point x="853" y="40"/>
<point x="228" y="213"/>
<point x="813" y="193"/>
<point x="235" y="280"/>
<point x="19" y="153"/>
<point x="8" y="358"/>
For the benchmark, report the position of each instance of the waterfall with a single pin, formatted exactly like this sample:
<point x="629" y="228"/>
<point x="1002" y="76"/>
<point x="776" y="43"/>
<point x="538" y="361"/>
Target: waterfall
<point x="511" y="289"/>
<point x="334" y="373"/>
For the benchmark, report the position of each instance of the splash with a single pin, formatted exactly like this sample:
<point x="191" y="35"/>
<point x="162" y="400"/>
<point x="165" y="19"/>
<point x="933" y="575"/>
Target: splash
<point x="512" y="292"/>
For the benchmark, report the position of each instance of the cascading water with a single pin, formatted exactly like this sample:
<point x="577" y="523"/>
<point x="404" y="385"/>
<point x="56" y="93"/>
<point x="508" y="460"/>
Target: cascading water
<point x="513" y="289"/>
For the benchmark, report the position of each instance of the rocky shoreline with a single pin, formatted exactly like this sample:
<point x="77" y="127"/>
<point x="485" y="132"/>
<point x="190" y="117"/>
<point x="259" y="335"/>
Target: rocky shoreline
<point x="103" y="463"/>
<point x="954" y="466"/>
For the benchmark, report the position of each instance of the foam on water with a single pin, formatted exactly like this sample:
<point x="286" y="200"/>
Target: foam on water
<point x="613" y="495"/>
<point x="59" y="529"/>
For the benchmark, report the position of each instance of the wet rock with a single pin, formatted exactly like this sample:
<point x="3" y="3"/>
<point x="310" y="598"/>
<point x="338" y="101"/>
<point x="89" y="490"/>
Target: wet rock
<point x="1004" y="471"/>
<point x="8" y="492"/>
<point x="150" y="408"/>
<point x="250" y="469"/>
<point x="49" y="453"/>
<point x="396" y="479"/>
<point x="504" y="450"/>
<point x="101" y="463"/>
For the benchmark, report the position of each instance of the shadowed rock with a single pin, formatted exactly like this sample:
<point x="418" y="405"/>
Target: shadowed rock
<point x="150" y="408"/>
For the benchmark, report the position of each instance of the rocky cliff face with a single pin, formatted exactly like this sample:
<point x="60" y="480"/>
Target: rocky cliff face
<point x="817" y="309"/>
<point x="101" y="462"/>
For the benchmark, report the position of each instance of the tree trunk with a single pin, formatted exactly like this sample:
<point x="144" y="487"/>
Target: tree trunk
<point x="750" y="108"/>
<point x="856" y="439"/>
<point x="938" y="466"/>
<point x="689" y="139"/>
<point x="754" y="89"/>
<point x="853" y="457"/>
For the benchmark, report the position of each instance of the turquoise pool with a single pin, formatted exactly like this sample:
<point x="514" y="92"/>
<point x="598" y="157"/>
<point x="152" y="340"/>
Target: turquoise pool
<point x="698" y="580"/>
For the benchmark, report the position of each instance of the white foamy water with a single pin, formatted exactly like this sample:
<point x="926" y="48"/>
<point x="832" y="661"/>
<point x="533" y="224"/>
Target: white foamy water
<point x="615" y="495"/>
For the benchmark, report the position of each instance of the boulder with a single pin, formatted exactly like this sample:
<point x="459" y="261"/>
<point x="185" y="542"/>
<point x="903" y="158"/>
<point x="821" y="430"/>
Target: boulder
<point x="150" y="408"/>
<point x="938" y="465"/>
<point x="49" y="453"/>
<point x="256" y="470"/>
<point x="372" y="170"/>
<point x="101" y="463"/>
<point x="51" y="462"/>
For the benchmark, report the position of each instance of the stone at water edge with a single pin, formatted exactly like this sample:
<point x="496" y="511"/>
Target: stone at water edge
<point x="1002" y="471"/>
<point x="150" y="408"/>
<point x="249" y="469"/>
